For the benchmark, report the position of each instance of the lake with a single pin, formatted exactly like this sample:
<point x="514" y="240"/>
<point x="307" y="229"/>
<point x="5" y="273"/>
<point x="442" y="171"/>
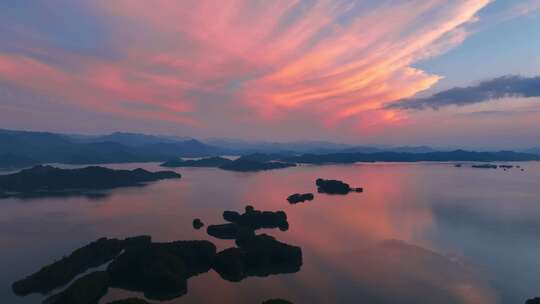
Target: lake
<point x="420" y="233"/>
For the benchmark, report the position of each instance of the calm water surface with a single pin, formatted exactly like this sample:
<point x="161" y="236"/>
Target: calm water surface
<point x="420" y="233"/>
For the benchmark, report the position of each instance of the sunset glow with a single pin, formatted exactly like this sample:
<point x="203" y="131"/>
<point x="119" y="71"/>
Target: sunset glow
<point x="198" y="67"/>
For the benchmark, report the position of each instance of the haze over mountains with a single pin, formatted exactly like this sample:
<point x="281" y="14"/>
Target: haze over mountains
<point x="21" y="148"/>
<point x="25" y="148"/>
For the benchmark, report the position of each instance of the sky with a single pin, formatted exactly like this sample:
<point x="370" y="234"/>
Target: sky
<point x="395" y="72"/>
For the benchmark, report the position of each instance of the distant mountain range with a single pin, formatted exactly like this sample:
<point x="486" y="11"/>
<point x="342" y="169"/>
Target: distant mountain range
<point x="315" y="147"/>
<point x="22" y="148"/>
<point x="532" y="151"/>
<point x="129" y="139"/>
<point x="442" y="156"/>
<point x="25" y="148"/>
<point x="276" y="147"/>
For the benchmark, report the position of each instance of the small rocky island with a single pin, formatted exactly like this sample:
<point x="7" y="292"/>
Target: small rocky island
<point x="260" y="256"/>
<point x="331" y="186"/>
<point x="242" y="164"/>
<point x="243" y="226"/>
<point x="197" y="224"/>
<point x="45" y="180"/>
<point x="506" y="166"/>
<point x="209" y="162"/>
<point x="495" y="166"/>
<point x="485" y="166"/>
<point x="255" y="255"/>
<point x="300" y="198"/>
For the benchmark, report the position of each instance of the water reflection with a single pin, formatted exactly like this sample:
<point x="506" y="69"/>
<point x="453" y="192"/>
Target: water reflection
<point x="457" y="224"/>
<point x="394" y="271"/>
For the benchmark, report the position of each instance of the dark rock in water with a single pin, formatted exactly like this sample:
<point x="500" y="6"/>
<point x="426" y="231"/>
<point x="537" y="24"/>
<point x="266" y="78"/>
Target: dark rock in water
<point x="276" y="301"/>
<point x="197" y="224"/>
<point x="211" y="162"/>
<point x="256" y="219"/>
<point x="484" y="166"/>
<point x="48" y="179"/>
<point x="223" y="231"/>
<point x="458" y="165"/>
<point x="231" y="265"/>
<point x="156" y="272"/>
<point x="161" y="270"/>
<point x="231" y="216"/>
<point x="300" y="198"/>
<point x="86" y="290"/>
<point x="261" y="256"/>
<point x="331" y="186"/>
<point x="244" y="164"/>
<point x="506" y="166"/>
<point x="61" y="272"/>
<point x="136" y="241"/>
<point x="198" y="255"/>
<point x="231" y="231"/>
<point x="533" y="301"/>
<point x="242" y="226"/>
<point x="129" y="301"/>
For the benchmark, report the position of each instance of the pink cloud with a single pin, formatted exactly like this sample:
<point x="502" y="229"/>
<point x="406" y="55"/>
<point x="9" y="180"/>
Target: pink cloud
<point x="242" y="60"/>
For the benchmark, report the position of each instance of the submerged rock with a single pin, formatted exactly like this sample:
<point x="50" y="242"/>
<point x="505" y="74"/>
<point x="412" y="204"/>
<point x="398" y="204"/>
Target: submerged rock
<point x="86" y="290"/>
<point x="533" y="301"/>
<point x="161" y="270"/>
<point x="197" y="224"/>
<point x="331" y="186"/>
<point x="261" y="256"/>
<point x="300" y="198"/>
<point x="63" y="271"/>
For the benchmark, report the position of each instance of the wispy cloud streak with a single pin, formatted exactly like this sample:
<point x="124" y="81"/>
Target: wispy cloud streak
<point x="210" y="63"/>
